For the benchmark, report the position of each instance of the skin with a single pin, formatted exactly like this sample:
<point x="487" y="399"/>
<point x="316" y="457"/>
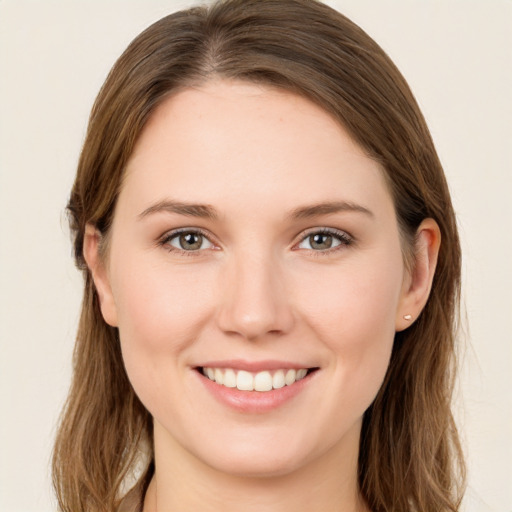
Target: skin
<point x="256" y="289"/>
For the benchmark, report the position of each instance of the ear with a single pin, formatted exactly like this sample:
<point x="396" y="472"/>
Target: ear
<point x="418" y="279"/>
<point x="99" y="274"/>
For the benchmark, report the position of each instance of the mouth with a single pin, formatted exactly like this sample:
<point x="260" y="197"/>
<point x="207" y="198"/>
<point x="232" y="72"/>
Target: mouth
<point x="261" y="381"/>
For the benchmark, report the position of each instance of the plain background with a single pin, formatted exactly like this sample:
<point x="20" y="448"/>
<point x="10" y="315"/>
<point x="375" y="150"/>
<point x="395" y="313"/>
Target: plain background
<point x="54" y="55"/>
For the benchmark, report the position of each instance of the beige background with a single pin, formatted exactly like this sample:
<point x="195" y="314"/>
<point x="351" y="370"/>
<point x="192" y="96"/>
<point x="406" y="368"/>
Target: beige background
<point x="54" y="55"/>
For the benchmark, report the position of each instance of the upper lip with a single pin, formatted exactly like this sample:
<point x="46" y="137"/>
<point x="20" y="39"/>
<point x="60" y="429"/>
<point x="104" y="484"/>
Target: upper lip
<point x="254" y="366"/>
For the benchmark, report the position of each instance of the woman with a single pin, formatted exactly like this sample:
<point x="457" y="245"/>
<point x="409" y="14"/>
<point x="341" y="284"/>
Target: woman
<point x="272" y="272"/>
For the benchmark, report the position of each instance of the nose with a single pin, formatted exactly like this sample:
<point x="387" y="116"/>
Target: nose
<point x="254" y="301"/>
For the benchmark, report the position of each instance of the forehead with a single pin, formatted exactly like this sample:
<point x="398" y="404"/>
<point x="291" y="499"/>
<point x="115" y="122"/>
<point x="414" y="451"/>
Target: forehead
<point x="235" y="142"/>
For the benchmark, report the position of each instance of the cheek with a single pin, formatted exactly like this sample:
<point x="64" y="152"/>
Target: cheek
<point x="353" y="314"/>
<point x="161" y="310"/>
<point x="351" y="303"/>
<point x="159" y="302"/>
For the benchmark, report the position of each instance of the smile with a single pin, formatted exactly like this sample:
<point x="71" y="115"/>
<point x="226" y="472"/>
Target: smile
<point x="248" y="381"/>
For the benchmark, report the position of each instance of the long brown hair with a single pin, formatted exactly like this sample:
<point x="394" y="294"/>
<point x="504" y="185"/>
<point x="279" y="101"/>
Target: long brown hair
<point x="410" y="457"/>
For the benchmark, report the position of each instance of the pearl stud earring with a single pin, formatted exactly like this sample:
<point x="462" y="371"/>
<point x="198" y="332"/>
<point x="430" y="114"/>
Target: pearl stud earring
<point x="407" y="317"/>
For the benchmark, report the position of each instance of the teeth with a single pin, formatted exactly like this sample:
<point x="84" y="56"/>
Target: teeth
<point x="261" y="381"/>
<point x="290" y="377"/>
<point x="244" y="381"/>
<point x="301" y="373"/>
<point x="278" y="380"/>
<point x="219" y="376"/>
<point x="229" y="379"/>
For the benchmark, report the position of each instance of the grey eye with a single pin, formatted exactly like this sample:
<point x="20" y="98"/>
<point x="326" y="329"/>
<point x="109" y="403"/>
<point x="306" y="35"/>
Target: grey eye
<point x="190" y="241"/>
<point x="321" y="241"/>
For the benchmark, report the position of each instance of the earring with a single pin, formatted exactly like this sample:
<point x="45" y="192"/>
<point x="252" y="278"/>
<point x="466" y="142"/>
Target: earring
<point x="407" y="317"/>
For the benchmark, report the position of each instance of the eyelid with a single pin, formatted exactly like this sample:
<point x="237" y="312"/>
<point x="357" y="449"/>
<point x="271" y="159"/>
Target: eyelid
<point x="163" y="241"/>
<point x="345" y="238"/>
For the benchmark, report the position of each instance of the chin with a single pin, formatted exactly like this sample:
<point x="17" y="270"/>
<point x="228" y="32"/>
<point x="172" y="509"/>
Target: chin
<point x="266" y="456"/>
<point x="258" y="467"/>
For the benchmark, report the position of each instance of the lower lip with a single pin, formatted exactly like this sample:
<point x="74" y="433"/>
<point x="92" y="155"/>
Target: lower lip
<point x="254" y="401"/>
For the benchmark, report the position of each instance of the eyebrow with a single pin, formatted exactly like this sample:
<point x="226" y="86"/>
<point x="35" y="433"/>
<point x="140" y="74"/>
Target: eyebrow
<point x="204" y="211"/>
<point x="315" y="210"/>
<point x="207" y="211"/>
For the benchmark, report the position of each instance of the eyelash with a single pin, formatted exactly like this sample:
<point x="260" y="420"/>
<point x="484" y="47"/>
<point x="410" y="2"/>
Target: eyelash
<point x="165" y="241"/>
<point x="343" y="237"/>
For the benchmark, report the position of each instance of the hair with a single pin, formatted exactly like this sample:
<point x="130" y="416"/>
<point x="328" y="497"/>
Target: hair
<point x="410" y="456"/>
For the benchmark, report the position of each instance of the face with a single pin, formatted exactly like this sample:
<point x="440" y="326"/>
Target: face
<point x="253" y="245"/>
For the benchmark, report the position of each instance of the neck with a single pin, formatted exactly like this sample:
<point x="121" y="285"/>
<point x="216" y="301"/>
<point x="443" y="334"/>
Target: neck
<point x="182" y="483"/>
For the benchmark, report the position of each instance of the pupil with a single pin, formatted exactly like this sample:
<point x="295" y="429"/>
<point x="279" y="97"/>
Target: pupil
<point x="191" y="241"/>
<point x="321" y="241"/>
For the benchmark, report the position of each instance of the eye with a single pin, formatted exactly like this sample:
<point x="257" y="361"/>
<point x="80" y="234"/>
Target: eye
<point x="189" y="241"/>
<point x="324" y="240"/>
